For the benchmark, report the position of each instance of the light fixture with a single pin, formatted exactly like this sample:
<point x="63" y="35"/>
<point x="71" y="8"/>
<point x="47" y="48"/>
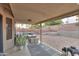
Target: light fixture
<point x="29" y="20"/>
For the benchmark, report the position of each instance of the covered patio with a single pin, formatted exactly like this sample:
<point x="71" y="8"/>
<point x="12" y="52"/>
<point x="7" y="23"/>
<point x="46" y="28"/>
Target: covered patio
<point x="33" y="13"/>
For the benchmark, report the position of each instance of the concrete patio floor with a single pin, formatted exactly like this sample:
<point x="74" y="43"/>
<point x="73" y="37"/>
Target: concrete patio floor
<point x="34" y="50"/>
<point x="42" y="50"/>
<point x="16" y="52"/>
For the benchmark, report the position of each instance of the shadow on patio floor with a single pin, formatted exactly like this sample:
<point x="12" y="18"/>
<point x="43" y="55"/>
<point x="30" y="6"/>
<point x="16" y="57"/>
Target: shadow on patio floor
<point x="41" y="50"/>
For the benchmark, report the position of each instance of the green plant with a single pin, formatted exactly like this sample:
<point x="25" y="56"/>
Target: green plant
<point x="53" y="22"/>
<point x="20" y="41"/>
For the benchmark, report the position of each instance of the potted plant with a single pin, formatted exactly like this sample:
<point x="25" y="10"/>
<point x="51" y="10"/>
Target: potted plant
<point x="20" y="42"/>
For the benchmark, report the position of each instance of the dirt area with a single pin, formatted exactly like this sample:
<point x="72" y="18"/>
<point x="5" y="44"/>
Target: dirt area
<point x="59" y="42"/>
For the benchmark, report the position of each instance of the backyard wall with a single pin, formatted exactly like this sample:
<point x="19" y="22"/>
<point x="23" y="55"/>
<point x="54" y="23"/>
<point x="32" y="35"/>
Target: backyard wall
<point x="69" y="30"/>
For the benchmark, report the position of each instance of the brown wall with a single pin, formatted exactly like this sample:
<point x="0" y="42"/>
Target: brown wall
<point x="55" y="28"/>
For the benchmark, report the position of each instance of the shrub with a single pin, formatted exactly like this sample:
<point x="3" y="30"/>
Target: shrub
<point x="20" y="41"/>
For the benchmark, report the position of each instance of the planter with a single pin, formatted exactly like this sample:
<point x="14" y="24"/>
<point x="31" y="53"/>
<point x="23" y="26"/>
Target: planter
<point x="20" y="47"/>
<point x="20" y="42"/>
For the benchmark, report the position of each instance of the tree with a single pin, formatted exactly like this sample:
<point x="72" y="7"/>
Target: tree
<point x="48" y="23"/>
<point x="53" y="22"/>
<point x="37" y="26"/>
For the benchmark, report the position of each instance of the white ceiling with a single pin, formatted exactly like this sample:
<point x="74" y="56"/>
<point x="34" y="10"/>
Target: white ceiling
<point x="40" y="12"/>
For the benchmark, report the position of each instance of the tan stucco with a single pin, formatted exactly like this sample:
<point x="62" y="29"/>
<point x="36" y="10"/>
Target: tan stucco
<point x="7" y="44"/>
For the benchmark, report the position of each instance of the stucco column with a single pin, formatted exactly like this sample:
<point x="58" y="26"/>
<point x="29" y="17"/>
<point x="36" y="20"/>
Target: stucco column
<point x="40" y="32"/>
<point x="78" y="21"/>
<point x="14" y="33"/>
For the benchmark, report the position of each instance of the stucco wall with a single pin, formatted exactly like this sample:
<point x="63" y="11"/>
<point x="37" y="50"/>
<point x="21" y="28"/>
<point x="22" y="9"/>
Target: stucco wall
<point x="7" y="44"/>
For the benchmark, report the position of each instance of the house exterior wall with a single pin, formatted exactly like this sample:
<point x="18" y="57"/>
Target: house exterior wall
<point x="7" y="44"/>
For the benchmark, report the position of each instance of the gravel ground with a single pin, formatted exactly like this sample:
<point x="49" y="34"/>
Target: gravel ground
<point x="59" y="42"/>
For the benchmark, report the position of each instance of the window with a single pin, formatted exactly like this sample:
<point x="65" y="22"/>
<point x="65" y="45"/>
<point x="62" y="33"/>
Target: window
<point x="9" y="28"/>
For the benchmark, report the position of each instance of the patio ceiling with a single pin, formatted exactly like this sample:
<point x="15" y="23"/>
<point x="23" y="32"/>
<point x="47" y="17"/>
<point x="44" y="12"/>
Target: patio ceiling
<point x="39" y="12"/>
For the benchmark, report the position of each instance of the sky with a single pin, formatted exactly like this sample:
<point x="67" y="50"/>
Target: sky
<point x="70" y="20"/>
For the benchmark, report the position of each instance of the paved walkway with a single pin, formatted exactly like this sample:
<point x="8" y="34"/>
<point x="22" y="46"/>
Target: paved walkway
<point x="42" y="50"/>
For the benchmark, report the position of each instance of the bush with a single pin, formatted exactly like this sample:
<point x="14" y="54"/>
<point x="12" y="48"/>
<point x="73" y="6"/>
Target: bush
<point x="20" y="41"/>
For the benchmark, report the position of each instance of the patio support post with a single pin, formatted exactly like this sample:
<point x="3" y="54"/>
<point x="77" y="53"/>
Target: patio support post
<point x="40" y="32"/>
<point x="14" y="33"/>
<point x="78" y="21"/>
